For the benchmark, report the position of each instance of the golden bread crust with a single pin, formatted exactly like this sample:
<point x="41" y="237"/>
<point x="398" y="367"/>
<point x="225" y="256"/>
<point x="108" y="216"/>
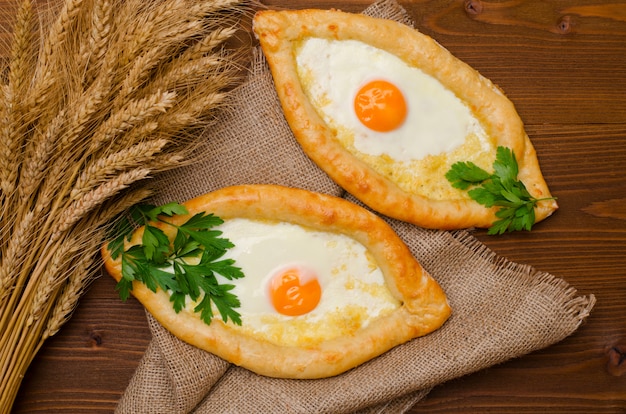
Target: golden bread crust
<point x="424" y="305"/>
<point x="278" y="33"/>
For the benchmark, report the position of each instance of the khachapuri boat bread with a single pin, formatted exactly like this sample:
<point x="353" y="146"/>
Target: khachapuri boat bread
<point x="386" y="111"/>
<point x="359" y="290"/>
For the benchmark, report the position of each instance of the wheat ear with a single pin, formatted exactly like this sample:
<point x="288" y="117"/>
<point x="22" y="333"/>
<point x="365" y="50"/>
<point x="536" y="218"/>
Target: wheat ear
<point x="78" y="280"/>
<point x="140" y="32"/>
<point x="207" y="45"/>
<point x="9" y="267"/>
<point x="131" y="115"/>
<point x="50" y="281"/>
<point x="13" y="128"/>
<point x="47" y="73"/>
<point x="99" y="170"/>
<point x="99" y="36"/>
<point x="79" y="208"/>
<point x="36" y="160"/>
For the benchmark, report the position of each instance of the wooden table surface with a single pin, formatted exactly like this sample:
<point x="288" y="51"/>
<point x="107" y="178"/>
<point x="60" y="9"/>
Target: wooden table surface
<point x="563" y="64"/>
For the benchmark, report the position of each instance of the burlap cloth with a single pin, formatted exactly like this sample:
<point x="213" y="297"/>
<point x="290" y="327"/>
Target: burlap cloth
<point x="501" y="310"/>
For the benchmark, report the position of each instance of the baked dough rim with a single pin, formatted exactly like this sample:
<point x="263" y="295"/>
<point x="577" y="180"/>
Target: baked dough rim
<point x="424" y="308"/>
<point x="278" y="31"/>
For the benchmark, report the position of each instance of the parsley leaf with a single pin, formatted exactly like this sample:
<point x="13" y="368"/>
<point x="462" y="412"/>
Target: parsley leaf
<point x="462" y="175"/>
<point x="155" y="244"/>
<point x="505" y="166"/>
<point x="185" y="267"/>
<point x="501" y="189"/>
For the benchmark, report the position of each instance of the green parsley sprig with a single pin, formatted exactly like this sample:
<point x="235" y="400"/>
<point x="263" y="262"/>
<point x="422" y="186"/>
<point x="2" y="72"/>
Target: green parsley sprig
<point x="501" y="189"/>
<point x="184" y="267"/>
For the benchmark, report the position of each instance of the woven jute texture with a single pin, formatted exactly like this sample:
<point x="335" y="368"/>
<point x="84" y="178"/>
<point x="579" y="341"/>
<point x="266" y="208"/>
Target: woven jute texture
<point x="501" y="310"/>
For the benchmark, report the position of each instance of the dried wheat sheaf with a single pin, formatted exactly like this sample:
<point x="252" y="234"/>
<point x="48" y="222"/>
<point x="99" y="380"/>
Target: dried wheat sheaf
<point x="93" y="102"/>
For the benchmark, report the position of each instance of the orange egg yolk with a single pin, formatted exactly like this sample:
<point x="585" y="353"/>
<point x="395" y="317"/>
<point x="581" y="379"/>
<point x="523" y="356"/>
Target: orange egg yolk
<point x="293" y="295"/>
<point x="380" y="106"/>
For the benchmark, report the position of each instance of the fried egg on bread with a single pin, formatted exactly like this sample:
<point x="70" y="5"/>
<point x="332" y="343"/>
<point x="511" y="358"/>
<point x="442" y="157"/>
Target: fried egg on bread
<point x="328" y="285"/>
<point x="303" y="286"/>
<point x="335" y="73"/>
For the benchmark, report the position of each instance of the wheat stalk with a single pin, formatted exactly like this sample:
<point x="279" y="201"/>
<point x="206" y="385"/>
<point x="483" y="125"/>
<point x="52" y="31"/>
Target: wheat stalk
<point x="92" y="106"/>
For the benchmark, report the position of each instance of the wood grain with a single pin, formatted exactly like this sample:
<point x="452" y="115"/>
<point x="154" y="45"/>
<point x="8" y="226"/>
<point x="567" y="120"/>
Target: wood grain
<point x="563" y="64"/>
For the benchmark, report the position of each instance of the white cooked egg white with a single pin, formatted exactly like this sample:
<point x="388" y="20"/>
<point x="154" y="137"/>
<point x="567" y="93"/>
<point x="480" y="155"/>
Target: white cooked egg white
<point x="353" y="288"/>
<point x="439" y="128"/>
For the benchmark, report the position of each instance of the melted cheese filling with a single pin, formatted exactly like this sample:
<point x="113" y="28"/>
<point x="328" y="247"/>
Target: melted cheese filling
<point x="439" y="130"/>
